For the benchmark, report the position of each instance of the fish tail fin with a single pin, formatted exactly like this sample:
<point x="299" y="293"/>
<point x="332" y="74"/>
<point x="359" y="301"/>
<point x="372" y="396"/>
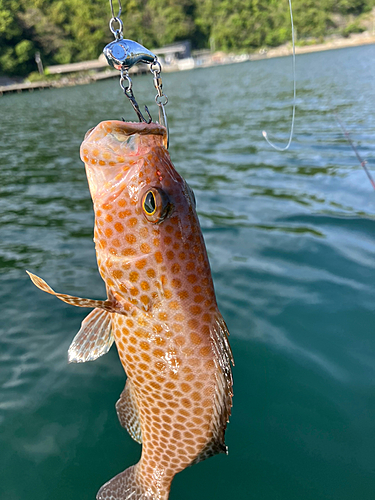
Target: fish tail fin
<point x="126" y="485"/>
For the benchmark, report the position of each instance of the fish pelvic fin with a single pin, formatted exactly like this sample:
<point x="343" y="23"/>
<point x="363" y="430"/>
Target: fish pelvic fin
<point x="94" y="338"/>
<point x="70" y="299"/>
<point x="126" y="486"/>
<point x="127" y="412"/>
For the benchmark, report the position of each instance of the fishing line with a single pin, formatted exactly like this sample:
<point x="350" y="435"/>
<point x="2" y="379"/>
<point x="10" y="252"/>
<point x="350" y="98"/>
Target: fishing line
<point x="359" y="158"/>
<point x="264" y="133"/>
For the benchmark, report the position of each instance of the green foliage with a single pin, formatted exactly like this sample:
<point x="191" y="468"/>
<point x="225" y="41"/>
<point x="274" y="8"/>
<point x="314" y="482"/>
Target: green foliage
<point x="65" y="31"/>
<point x="352" y="28"/>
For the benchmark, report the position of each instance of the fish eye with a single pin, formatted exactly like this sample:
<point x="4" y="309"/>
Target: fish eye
<point x="149" y="203"/>
<point x="156" y="205"/>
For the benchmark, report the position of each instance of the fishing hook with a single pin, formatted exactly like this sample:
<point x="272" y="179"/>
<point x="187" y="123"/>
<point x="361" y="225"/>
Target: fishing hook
<point x="264" y="133"/>
<point x="129" y="94"/>
<point x="128" y="91"/>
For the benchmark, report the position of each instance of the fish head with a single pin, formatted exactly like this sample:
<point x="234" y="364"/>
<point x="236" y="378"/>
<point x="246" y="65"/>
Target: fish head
<point x="149" y="244"/>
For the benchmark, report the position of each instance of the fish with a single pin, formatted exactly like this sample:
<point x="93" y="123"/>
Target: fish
<point x="160" y="311"/>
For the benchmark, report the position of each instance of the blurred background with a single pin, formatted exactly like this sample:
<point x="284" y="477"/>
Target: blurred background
<point x="290" y="238"/>
<point x="68" y="31"/>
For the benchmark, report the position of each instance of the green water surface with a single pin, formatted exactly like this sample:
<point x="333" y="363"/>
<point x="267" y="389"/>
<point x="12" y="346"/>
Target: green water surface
<point x="290" y="238"/>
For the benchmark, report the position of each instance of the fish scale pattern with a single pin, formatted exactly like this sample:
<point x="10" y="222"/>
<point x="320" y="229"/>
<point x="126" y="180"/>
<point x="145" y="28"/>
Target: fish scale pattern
<point x="160" y="274"/>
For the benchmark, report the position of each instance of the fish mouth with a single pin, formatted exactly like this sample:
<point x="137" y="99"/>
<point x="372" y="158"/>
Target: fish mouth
<point x="141" y="128"/>
<point x="112" y="147"/>
<point x="123" y="130"/>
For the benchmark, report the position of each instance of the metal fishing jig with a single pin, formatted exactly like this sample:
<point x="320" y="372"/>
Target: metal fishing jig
<point x="123" y="54"/>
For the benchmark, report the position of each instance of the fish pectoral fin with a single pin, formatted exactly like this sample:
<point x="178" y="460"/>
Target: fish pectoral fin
<point x="94" y="338"/>
<point x="70" y="299"/>
<point x="127" y="412"/>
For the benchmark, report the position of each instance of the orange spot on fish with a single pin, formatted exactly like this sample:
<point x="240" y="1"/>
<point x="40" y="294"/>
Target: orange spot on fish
<point x="190" y="266"/>
<point x="145" y="300"/>
<point x="117" y="274"/>
<point x="151" y="273"/>
<point x="124" y="214"/>
<point x="193" y="323"/>
<point x="132" y="222"/>
<point x="176" y="283"/>
<point x="127" y="252"/>
<point x="119" y="227"/>
<point x="175" y="268"/>
<point x="195" y="310"/>
<point x="185" y="387"/>
<point x="183" y="295"/>
<point x="141" y="263"/>
<point x="158" y="257"/>
<point x="133" y="276"/>
<point x="145" y="286"/>
<point x="145" y="248"/>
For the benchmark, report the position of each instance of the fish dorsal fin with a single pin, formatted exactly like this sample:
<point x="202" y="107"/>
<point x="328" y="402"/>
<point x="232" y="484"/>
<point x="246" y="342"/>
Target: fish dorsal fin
<point x="93" y="339"/>
<point x="224" y="389"/>
<point x="70" y="299"/>
<point x="127" y="412"/>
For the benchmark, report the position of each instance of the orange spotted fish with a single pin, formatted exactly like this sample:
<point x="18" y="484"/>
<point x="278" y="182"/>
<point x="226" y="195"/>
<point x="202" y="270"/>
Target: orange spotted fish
<point x="161" y="309"/>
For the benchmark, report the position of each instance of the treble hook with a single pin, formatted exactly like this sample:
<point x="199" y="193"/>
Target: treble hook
<point x="129" y="94"/>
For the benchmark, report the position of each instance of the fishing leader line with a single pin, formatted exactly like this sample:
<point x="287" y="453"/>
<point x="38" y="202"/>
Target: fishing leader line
<point x="264" y="133"/>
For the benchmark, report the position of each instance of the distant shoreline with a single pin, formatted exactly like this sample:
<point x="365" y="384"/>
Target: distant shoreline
<point x="212" y="59"/>
<point x="339" y="42"/>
